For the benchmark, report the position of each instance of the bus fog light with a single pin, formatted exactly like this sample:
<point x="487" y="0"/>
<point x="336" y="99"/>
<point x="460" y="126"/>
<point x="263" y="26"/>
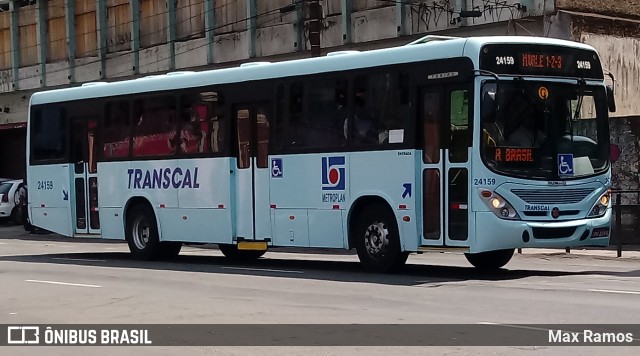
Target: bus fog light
<point x="596" y="210"/>
<point x="505" y="212"/>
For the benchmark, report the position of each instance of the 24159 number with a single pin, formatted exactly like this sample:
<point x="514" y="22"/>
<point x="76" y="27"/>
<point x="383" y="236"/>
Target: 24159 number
<point x="45" y="184"/>
<point x="484" y="181"/>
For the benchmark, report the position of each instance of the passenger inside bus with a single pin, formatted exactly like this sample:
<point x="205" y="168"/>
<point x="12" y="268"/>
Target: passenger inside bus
<point x="527" y="133"/>
<point x="192" y="133"/>
<point x="364" y="129"/>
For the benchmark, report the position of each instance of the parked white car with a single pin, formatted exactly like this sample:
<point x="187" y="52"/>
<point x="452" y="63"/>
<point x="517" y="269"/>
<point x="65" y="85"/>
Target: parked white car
<point x="10" y="198"/>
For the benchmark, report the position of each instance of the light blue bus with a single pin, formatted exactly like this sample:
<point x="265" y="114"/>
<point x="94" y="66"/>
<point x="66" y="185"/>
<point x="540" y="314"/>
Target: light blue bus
<point x="480" y="145"/>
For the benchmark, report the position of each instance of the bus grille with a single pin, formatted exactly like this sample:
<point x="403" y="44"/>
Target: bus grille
<point x="560" y="196"/>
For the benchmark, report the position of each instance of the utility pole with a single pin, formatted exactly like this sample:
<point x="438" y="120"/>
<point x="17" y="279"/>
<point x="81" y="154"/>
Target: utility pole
<point x="315" y="26"/>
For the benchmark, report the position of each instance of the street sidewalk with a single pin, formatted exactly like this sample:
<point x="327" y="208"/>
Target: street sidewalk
<point x="610" y="252"/>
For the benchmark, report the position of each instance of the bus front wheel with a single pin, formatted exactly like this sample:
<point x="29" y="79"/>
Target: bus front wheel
<point x="231" y="252"/>
<point x="490" y="260"/>
<point x="377" y="240"/>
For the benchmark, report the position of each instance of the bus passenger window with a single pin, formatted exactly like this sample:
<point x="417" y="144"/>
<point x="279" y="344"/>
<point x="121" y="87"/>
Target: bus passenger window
<point x="48" y="133"/>
<point x="380" y="109"/>
<point x="296" y="133"/>
<point x="154" y="126"/>
<point x="201" y="124"/>
<point x="323" y="121"/>
<point x="460" y="139"/>
<point x="117" y="132"/>
<point x="278" y="139"/>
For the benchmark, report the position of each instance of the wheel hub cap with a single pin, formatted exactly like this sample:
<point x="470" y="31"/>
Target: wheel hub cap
<point x="376" y="238"/>
<point x="141" y="232"/>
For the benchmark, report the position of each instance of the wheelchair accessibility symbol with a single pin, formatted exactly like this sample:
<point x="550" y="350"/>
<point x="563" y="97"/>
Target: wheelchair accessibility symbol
<point x="276" y="168"/>
<point x="565" y="164"/>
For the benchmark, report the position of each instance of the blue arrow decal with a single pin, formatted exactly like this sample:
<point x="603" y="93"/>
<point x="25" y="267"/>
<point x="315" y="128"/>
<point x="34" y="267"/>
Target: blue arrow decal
<point x="65" y="195"/>
<point x="407" y="190"/>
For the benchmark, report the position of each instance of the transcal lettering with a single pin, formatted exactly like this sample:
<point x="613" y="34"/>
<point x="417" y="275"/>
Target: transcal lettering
<point x="163" y="178"/>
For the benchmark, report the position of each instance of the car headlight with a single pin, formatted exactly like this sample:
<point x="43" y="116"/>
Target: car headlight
<point x="600" y="207"/>
<point x="498" y="205"/>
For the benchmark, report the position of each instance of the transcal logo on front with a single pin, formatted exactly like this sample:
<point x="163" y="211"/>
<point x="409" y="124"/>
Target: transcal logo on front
<point x="334" y="178"/>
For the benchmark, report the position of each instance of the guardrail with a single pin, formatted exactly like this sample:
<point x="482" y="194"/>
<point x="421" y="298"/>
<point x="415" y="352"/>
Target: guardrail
<point x="625" y="224"/>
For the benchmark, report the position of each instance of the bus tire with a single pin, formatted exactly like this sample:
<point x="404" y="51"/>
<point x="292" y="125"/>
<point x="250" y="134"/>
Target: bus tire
<point x="490" y="260"/>
<point x="231" y="252"/>
<point x="15" y="215"/>
<point x="377" y="240"/>
<point x="26" y="223"/>
<point x="142" y="233"/>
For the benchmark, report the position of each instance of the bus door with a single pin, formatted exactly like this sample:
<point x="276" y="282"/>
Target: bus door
<point x="444" y="113"/>
<point x="85" y="176"/>
<point x="252" y="214"/>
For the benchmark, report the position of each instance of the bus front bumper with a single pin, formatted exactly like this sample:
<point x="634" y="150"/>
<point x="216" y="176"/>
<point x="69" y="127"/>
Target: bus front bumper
<point x="493" y="233"/>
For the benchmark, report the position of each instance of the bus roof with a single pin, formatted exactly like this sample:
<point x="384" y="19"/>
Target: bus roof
<point x="438" y="48"/>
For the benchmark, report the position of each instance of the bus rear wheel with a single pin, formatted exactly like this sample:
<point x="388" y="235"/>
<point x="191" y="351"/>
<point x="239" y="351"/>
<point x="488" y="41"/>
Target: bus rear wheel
<point x="231" y="252"/>
<point x="377" y="240"/>
<point x="490" y="260"/>
<point x="143" y="238"/>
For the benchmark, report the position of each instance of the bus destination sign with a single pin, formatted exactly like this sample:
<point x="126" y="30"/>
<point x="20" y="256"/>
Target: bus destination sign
<point x="514" y="155"/>
<point x="540" y="60"/>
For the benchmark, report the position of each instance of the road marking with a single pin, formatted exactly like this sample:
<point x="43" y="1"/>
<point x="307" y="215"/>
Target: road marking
<point x="263" y="269"/>
<point x="613" y="291"/>
<point x="513" y="326"/>
<point x="77" y="259"/>
<point x="64" y="283"/>
<point x="13" y="313"/>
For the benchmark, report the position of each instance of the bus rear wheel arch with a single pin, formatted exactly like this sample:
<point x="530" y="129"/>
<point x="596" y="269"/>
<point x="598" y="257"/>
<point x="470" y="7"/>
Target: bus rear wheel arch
<point x="490" y="260"/>
<point x="376" y="237"/>
<point x="141" y="232"/>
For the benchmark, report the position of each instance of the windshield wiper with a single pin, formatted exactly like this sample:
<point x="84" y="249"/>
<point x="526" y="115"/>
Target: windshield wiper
<point x="576" y="115"/>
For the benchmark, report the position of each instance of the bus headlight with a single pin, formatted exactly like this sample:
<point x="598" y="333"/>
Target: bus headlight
<point x="600" y="207"/>
<point x="498" y="205"/>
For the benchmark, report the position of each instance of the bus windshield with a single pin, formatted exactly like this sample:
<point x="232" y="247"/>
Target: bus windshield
<point x="543" y="130"/>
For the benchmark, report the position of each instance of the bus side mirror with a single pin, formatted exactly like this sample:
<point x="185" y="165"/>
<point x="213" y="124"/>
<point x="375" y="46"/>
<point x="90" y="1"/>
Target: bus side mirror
<point x="611" y="99"/>
<point x="614" y="152"/>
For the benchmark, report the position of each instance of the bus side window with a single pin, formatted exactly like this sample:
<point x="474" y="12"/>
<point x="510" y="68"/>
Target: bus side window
<point x="296" y="134"/>
<point x="201" y="127"/>
<point x="117" y="133"/>
<point x="48" y="134"/>
<point x="154" y="126"/>
<point x="325" y="114"/>
<point x="460" y="139"/>
<point x="278" y="129"/>
<point x="380" y="109"/>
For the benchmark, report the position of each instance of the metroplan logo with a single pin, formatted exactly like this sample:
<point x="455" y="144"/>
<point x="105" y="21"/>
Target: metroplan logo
<point x="333" y="173"/>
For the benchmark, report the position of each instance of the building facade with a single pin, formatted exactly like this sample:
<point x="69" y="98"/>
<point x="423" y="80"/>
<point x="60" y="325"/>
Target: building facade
<point x="59" y="43"/>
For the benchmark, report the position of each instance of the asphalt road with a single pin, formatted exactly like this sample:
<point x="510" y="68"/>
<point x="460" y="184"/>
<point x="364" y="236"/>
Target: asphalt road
<point x="49" y="279"/>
